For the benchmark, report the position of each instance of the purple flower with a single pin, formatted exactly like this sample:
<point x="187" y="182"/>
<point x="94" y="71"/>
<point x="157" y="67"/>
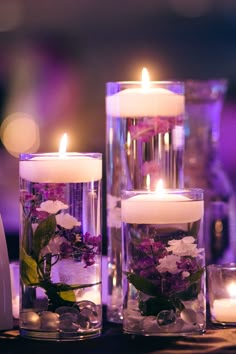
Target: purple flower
<point x="146" y="129"/>
<point x="88" y="259"/>
<point x="66" y="250"/>
<point x="188" y="264"/>
<point x="152" y="248"/>
<point x="173" y="283"/>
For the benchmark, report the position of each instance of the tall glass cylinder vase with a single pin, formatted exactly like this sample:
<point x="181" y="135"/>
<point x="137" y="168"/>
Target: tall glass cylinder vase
<point x="163" y="262"/>
<point x="203" y="167"/>
<point x="145" y="143"/>
<point x="60" y="246"/>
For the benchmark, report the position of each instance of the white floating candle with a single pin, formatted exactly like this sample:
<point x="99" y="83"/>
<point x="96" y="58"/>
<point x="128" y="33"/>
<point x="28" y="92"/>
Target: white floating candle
<point x="54" y="168"/>
<point x="61" y="167"/>
<point x="160" y="208"/>
<point x="150" y="99"/>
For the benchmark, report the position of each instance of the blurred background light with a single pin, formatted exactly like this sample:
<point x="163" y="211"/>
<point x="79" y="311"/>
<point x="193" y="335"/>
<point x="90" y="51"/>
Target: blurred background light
<point x="11" y="15"/>
<point x="190" y="8"/>
<point x="20" y="134"/>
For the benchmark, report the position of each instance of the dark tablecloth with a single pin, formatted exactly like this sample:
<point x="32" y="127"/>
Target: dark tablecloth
<point x="113" y="341"/>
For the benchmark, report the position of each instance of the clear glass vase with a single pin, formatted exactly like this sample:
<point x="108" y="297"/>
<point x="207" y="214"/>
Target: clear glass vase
<point x="60" y="246"/>
<point x="203" y="168"/>
<point x="163" y="262"/>
<point x="145" y="142"/>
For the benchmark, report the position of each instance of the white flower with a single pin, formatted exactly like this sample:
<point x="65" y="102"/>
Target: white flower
<point x="112" y="201"/>
<point x="184" y="247"/>
<point x="52" y="206"/>
<point x="114" y="218"/>
<point x="67" y="221"/>
<point x="113" y="211"/>
<point x="169" y="264"/>
<point x="185" y="274"/>
<point x="53" y="246"/>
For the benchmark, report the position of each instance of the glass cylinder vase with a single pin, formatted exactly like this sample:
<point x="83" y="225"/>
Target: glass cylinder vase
<point x="163" y="262"/>
<point x="145" y="142"/>
<point x="203" y="166"/>
<point x="60" y="246"/>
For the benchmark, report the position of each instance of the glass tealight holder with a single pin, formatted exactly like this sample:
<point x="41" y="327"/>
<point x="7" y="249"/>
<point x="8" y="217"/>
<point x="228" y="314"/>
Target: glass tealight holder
<point x="221" y="281"/>
<point x="163" y="262"/>
<point x="60" y="246"/>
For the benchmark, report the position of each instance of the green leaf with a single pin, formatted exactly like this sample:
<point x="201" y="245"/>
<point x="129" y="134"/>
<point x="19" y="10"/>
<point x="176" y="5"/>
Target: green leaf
<point x="194" y="229"/>
<point x="196" y="276"/>
<point x="43" y="234"/>
<point x="178" y="304"/>
<point x="29" y="274"/>
<point x="66" y="287"/>
<point x="68" y="295"/>
<point x="154" y="305"/>
<point x="27" y="233"/>
<point x="142" y="284"/>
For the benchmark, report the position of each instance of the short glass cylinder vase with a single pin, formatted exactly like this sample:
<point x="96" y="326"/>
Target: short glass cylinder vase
<point x="221" y="281"/>
<point x="163" y="262"/>
<point x="60" y="246"/>
<point x="145" y="143"/>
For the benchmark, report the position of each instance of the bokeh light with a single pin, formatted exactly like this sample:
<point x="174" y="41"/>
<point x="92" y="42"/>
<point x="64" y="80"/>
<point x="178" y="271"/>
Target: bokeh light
<point x="11" y="15"/>
<point x="20" y="134"/>
<point x="191" y="8"/>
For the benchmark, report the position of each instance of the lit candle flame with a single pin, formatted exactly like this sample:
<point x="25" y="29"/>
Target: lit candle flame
<point x="148" y="181"/>
<point x="63" y="144"/>
<point x="231" y="288"/>
<point x="145" y="79"/>
<point x="160" y="186"/>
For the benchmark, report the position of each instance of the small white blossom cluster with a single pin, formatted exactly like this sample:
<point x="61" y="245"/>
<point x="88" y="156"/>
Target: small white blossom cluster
<point x="178" y="249"/>
<point x="64" y="220"/>
<point x="113" y="212"/>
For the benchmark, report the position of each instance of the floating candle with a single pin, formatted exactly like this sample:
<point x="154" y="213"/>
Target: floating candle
<point x="145" y="101"/>
<point x="160" y="208"/>
<point x="62" y="167"/>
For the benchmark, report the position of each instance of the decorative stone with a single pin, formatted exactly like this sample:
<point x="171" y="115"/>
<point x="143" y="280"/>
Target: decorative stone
<point x="166" y="318"/>
<point x="189" y="316"/>
<point x="49" y="321"/>
<point x="30" y="319"/>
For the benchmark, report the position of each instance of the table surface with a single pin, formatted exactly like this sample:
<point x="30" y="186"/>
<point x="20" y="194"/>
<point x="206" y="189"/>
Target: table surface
<point x="113" y="341"/>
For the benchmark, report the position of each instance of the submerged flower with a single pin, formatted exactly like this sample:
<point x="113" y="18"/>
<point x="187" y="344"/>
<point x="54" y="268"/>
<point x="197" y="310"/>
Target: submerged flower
<point x="185" y="274"/>
<point x="169" y="264"/>
<point x="67" y="221"/>
<point x="146" y="129"/>
<point x="52" y="206"/>
<point x="53" y="246"/>
<point x="184" y="247"/>
<point x="113" y="211"/>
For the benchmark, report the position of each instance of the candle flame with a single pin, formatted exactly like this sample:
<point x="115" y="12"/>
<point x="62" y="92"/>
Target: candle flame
<point x="160" y="186"/>
<point x="231" y="288"/>
<point x="145" y="79"/>
<point x="128" y="139"/>
<point x="148" y="181"/>
<point x="63" y="144"/>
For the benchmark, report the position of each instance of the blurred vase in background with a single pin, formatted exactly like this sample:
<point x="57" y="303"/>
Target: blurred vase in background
<point x="203" y="167"/>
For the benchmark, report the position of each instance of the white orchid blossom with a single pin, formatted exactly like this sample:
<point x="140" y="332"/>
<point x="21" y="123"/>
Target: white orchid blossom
<point x="53" y="246"/>
<point x="67" y="221"/>
<point x="169" y="264"/>
<point x="185" y="274"/>
<point x="52" y="206"/>
<point x="184" y="247"/>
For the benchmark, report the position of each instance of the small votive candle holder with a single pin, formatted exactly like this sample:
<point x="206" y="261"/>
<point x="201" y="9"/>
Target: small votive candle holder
<point x="221" y="281"/>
